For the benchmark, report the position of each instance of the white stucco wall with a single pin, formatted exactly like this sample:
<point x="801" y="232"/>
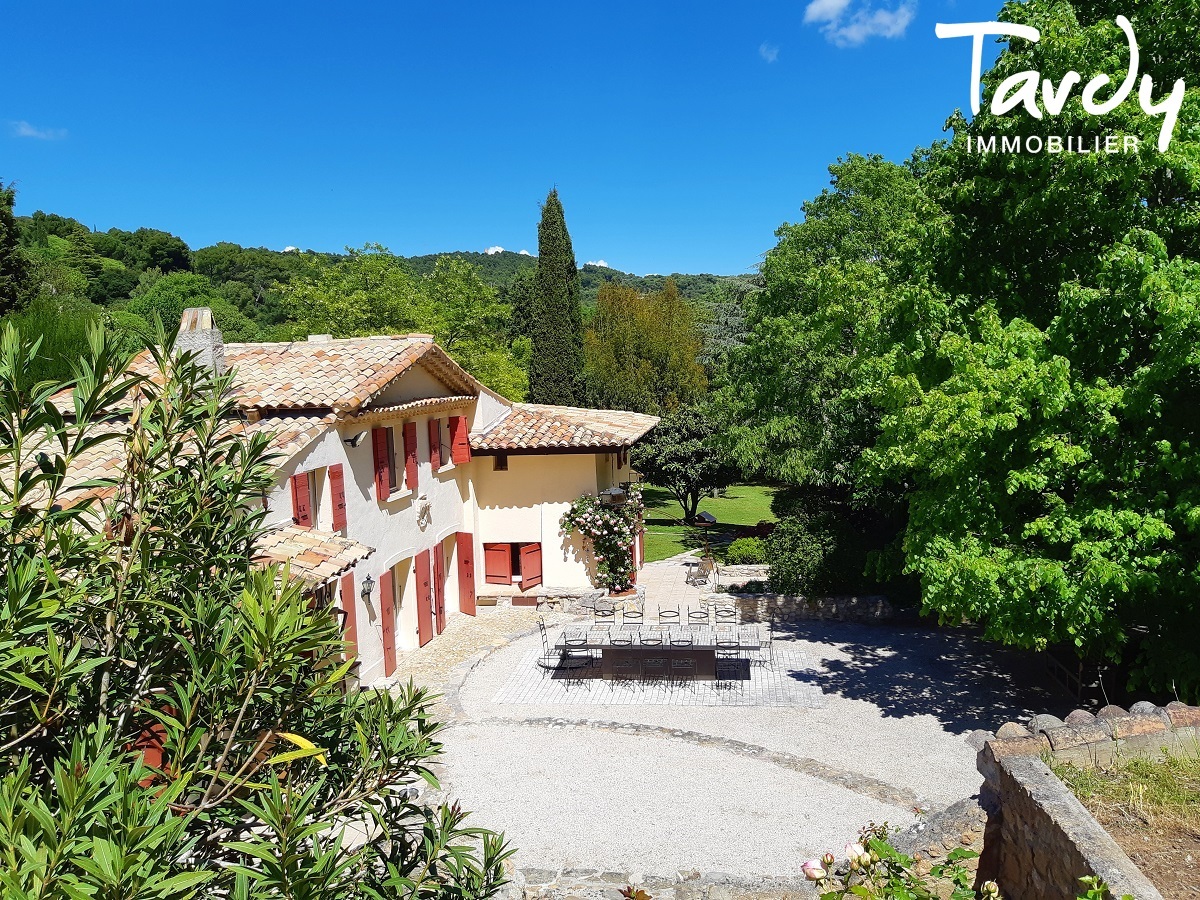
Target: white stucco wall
<point x="391" y="527"/>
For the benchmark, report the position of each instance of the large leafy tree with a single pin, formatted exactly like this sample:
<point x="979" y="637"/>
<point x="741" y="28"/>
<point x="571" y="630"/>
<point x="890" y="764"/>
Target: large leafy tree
<point x="175" y="721"/>
<point x="556" y="364"/>
<point x="642" y="351"/>
<point x="682" y="454"/>
<point x="371" y="291"/>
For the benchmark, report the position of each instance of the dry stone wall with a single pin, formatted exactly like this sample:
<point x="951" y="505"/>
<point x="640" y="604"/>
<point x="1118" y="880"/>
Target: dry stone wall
<point x="784" y="609"/>
<point x="1040" y="840"/>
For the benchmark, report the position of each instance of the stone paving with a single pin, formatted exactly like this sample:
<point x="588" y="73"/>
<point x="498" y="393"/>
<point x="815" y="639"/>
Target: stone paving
<point x="772" y="685"/>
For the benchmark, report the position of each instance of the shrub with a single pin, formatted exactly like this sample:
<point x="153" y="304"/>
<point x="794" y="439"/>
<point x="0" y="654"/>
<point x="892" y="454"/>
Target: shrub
<point x="747" y="551"/>
<point x="798" y="552"/>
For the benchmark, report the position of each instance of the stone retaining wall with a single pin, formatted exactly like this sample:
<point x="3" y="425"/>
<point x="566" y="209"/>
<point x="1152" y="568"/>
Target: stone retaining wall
<point x="728" y="576"/>
<point x="783" y="609"/>
<point x="1041" y="839"/>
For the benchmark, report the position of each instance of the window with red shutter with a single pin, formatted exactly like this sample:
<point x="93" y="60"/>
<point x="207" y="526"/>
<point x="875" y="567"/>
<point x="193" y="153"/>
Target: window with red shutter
<point x="410" y="456"/>
<point x="337" y="487"/>
<point x="302" y="500"/>
<point x="460" y="440"/>
<point x="381" y="450"/>
<point x="350" y="635"/>
<point x="435" y="444"/>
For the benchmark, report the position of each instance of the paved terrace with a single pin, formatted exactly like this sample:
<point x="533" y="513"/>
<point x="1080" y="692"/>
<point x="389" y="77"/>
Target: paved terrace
<point x="852" y="724"/>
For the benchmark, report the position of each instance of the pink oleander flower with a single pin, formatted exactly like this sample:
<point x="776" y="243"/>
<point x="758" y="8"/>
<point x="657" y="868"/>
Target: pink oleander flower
<point x="813" y="870"/>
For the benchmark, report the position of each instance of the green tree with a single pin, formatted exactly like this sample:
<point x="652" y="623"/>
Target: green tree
<point x="556" y="363"/>
<point x="168" y="296"/>
<point x="642" y="351"/>
<point x="682" y="455"/>
<point x="13" y="265"/>
<point x="176" y="723"/>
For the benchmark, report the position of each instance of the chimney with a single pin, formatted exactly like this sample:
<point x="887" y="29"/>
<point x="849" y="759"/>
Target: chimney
<point x="198" y="334"/>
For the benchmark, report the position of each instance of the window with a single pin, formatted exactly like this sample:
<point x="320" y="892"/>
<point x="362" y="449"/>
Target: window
<point x="500" y="462"/>
<point x="447" y="453"/>
<point x="391" y="458"/>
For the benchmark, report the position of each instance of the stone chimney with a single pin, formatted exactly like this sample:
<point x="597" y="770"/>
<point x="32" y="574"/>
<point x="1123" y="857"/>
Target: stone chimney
<point x="198" y="334"/>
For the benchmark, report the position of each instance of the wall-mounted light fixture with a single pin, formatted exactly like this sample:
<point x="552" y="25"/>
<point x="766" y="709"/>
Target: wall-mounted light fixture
<point x="368" y="585"/>
<point x="356" y="440"/>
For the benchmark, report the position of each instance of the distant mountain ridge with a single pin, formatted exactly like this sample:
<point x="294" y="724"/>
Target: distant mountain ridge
<point x="499" y="268"/>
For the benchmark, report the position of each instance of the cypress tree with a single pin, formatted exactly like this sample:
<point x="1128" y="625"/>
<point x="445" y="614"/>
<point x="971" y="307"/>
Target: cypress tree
<point x="556" y="368"/>
<point x="13" y="267"/>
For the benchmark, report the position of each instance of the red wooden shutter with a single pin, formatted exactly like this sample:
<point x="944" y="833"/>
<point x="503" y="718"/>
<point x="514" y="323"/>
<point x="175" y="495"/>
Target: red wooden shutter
<point x="379" y="446"/>
<point x="350" y="631"/>
<point x="466" y="573"/>
<point x="424" y="601"/>
<point x="531" y="566"/>
<point x="460" y="440"/>
<point x="410" y="456"/>
<point x="301" y="500"/>
<point x="387" y="612"/>
<point x="497" y="564"/>
<point x="439" y="586"/>
<point x="337" y="487"/>
<point x="435" y="444"/>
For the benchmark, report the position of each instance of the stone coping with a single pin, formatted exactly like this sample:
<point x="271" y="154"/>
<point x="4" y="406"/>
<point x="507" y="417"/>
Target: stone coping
<point x="1042" y="839"/>
<point x="785" y="608"/>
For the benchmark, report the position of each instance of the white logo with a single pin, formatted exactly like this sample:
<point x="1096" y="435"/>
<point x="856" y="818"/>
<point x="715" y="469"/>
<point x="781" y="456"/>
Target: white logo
<point x="1022" y="88"/>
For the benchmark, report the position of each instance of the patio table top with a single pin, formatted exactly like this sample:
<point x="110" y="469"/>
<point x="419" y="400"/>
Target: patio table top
<point x="744" y="637"/>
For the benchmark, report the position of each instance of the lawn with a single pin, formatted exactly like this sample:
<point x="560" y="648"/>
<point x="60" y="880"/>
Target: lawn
<point x="666" y="535"/>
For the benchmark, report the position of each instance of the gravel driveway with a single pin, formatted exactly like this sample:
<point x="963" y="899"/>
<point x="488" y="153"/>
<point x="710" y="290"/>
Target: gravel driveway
<point x="749" y="791"/>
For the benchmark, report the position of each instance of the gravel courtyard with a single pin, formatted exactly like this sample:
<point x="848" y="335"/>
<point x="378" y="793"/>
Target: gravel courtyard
<point x="746" y="790"/>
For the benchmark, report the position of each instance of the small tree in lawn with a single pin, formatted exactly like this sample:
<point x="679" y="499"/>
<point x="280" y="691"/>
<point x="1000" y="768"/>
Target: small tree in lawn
<point x="610" y="532"/>
<point x="681" y="455"/>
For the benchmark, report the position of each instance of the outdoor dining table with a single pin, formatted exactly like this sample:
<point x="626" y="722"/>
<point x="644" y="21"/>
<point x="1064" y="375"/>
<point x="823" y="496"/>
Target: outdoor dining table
<point x="641" y="642"/>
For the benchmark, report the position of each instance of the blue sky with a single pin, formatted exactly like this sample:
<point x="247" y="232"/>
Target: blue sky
<point x="680" y="135"/>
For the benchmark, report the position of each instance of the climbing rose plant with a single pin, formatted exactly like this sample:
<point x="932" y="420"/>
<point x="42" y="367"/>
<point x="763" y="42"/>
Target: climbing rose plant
<point x="609" y="531"/>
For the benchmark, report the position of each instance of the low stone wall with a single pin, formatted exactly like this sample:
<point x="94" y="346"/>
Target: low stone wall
<point x="728" y="576"/>
<point x="784" y="609"/>
<point x="1041" y="839"/>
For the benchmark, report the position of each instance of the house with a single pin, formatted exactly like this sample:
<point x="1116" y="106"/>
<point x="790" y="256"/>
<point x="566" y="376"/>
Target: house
<point x="407" y="492"/>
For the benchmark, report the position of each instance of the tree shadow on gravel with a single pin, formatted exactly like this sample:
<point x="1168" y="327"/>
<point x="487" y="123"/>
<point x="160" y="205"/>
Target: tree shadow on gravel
<point x="948" y="673"/>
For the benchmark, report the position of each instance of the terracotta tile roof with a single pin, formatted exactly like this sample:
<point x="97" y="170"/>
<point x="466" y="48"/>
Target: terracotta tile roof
<point x="424" y="406"/>
<point x="531" y="426"/>
<point x="341" y="374"/>
<point x="315" y="556"/>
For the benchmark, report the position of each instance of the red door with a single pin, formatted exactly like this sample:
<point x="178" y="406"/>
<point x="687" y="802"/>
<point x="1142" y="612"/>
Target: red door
<point x="424" y="601"/>
<point x="350" y="635"/>
<point x="466" y="572"/>
<point x="531" y="566"/>
<point x="387" y="612"/>
<point x="497" y="564"/>
<point x="439" y="586"/>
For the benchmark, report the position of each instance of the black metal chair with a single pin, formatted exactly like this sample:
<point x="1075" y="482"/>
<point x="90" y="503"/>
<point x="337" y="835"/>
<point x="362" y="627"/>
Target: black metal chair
<point x="650" y="638"/>
<point x="669" y="616"/>
<point x="727" y="615"/>
<point x="766" y="647"/>
<point x="632" y="617"/>
<point x="622" y="638"/>
<point x="605" y="618"/>
<point x="625" y="670"/>
<point x="698" y="617"/>
<point x="683" y="668"/>
<point x="656" y="668"/>
<point x="729" y="665"/>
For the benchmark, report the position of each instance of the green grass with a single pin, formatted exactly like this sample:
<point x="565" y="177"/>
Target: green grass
<point x="666" y="535"/>
<point x="1140" y="791"/>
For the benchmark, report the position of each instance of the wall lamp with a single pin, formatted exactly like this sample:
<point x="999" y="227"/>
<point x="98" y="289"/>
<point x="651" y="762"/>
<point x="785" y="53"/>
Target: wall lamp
<point x="368" y="585"/>
<point x="356" y="440"/>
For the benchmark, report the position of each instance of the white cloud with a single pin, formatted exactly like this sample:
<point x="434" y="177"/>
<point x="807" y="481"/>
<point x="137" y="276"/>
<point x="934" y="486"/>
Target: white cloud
<point x="290" y="249"/>
<point x="825" y="10"/>
<point x="23" y="129"/>
<point x="849" y="23"/>
<point x="770" y="52"/>
<point x="526" y="253"/>
<point x="492" y="251"/>
<point x="597" y="262"/>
